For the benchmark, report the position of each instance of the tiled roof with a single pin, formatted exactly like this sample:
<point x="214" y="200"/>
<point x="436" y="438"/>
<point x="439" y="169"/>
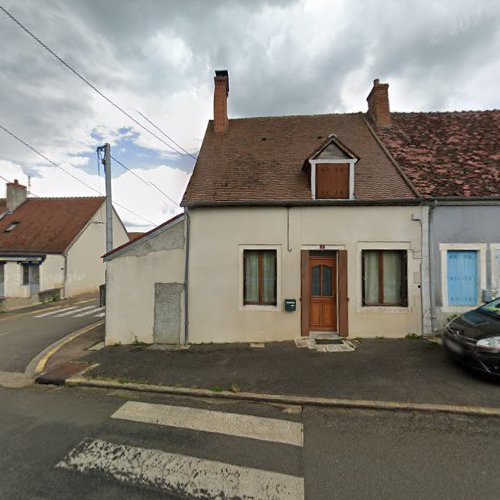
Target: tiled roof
<point x="261" y="159"/>
<point x="133" y="235"/>
<point x="47" y="225"/>
<point x="447" y="154"/>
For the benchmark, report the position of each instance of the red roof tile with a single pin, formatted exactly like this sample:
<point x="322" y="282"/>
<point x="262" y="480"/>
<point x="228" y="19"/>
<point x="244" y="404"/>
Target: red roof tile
<point x="47" y="225"/>
<point x="261" y="159"/>
<point x="447" y="154"/>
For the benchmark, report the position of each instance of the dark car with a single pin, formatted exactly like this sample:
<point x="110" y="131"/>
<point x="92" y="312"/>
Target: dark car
<point x="474" y="338"/>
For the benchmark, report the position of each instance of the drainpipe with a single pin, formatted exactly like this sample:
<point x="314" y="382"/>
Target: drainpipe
<point x="431" y="265"/>
<point x="186" y="275"/>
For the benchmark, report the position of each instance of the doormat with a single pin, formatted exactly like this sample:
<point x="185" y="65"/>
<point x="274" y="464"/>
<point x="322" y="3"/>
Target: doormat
<point x="329" y="341"/>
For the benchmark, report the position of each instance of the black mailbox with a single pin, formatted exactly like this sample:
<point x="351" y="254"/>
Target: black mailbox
<point x="290" y="305"/>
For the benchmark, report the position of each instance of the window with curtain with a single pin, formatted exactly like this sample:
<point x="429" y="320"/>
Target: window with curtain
<point x="385" y="278"/>
<point x="259" y="277"/>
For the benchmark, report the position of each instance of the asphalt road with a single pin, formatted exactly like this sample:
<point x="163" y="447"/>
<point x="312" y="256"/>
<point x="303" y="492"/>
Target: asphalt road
<point x="70" y="443"/>
<point x="24" y="335"/>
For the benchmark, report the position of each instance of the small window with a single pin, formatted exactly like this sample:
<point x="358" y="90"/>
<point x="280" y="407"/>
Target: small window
<point x="332" y="181"/>
<point x="259" y="273"/>
<point x="31" y="274"/>
<point x="11" y="227"/>
<point x="385" y="278"/>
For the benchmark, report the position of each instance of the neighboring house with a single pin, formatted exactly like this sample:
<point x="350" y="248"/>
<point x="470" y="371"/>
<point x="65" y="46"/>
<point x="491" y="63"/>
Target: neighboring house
<point x="453" y="159"/>
<point x="51" y="247"/>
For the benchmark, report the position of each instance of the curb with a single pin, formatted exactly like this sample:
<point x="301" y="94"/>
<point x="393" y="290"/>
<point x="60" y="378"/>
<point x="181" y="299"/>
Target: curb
<point x="483" y="411"/>
<point x="39" y="362"/>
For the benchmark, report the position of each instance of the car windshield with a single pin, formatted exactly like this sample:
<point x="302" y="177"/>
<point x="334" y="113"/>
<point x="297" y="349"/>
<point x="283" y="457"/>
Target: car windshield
<point x="492" y="308"/>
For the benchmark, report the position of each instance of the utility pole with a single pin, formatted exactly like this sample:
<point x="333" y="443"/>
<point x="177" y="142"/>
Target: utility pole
<point x="109" y="201"/>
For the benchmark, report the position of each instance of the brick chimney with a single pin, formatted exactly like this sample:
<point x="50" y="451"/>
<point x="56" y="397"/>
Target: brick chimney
<point x="221" y="92"/>
<point x="16" y="195"/>
<point x="378" y="104"/>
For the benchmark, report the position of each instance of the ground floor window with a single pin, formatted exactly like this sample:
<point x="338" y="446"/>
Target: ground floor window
<point x="385" y="278"/>
<point x="31" y="274"/>
<point x="259" y="272"/>
<point x="462" y="277"/>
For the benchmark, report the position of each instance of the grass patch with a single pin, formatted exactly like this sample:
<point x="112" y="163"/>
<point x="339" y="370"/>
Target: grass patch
<point x="216" y="388"/>
<point x="413" y="336"/>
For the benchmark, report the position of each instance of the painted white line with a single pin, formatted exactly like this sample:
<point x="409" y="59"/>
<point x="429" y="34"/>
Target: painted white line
<point x="100" y="315"/>
<point x="181" y="475"/>
<point x="233" y="424"/>
<point x="57" y="311"/>
<point x="87" y="313"/>
<point x="70" y="313"/>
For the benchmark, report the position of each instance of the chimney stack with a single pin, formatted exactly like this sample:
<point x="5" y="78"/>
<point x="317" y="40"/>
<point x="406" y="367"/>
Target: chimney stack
<point x="16" y="195"/>
<point x="221" y="92"/>
<point x="378" y="104"/>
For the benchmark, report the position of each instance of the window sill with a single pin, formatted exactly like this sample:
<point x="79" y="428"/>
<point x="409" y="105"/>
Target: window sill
<point x="459" y="309"/>
<point x="385" y="309"/>
<point x="255" y="307"/>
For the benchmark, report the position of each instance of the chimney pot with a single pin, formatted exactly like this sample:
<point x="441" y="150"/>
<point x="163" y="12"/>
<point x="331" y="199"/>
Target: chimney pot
<point x="16" y="195"/>
<point x="221" y="91"/>
<point x="378" y="104"/>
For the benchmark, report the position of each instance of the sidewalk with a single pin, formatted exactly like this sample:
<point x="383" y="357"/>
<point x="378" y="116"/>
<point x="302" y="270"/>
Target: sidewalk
<point x="408" y="371"/>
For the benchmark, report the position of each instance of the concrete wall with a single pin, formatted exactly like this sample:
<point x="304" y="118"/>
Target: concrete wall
<point x="85" y="268"/>
<point x="218" y="236"/>
<point x="130" y="295"/>
<point x="468" y="227"/>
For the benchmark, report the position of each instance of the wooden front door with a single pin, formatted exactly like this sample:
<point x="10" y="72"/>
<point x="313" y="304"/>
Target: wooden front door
<point x="323" y="294"/>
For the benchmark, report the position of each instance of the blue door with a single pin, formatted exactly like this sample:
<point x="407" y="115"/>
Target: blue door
<point x="462" y="278"/>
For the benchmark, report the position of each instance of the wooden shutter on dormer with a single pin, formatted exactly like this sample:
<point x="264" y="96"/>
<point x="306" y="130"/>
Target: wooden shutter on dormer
<point x="332" y="180"/>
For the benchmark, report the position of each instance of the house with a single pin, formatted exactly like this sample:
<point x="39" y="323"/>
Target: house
<point x="453" y="160"/>
<point x="293" y="226"/>
<point x="51" y="247"/>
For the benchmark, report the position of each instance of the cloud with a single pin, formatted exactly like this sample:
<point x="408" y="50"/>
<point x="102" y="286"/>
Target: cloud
<point x="284" y="57"/>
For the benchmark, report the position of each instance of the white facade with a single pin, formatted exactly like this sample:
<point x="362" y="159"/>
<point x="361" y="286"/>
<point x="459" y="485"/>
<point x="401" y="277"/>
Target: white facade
<point x="134" y="275"/>
<point x="77" y="271"/>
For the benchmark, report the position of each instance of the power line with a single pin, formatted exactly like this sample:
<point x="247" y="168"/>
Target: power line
<point x="161" y="131"/>
<point x="146" y="181"/>
<point x="87" y="82"/>
<point x="14" y="136"/>
<point x="10" y="182"/>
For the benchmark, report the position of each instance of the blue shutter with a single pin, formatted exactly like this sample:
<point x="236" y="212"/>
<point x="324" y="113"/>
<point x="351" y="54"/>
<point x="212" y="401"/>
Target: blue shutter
<point x="462" y="278"/>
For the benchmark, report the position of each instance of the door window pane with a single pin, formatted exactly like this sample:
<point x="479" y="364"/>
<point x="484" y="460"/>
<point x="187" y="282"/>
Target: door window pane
<point x="327" y="281"/>
<point x="316" y="281"/>
<point x="35" y="274"/>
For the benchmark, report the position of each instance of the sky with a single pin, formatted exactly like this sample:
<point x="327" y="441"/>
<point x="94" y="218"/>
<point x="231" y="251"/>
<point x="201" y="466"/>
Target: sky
<point x="157" y="58"/>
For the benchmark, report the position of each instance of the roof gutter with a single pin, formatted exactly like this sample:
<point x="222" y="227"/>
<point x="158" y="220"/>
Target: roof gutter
<point x="305" y="203"/>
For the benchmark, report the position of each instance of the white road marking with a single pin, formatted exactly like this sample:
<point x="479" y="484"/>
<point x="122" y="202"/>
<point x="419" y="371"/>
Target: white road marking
<point x="178" y="474"/>
<point x="57" y="311"/>
<point x="100" y="315"/>
<point x="70" y="313"/>
<point x="246" y="426"/>
<point x="87" y="313"/>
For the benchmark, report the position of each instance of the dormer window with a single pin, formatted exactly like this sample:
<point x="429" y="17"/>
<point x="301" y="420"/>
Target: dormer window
<point x="11" y="227"/>
<point x="332" y="171"/>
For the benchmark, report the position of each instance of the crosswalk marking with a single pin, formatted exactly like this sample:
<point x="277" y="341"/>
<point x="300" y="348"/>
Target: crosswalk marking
<point x="246" y="426"/>
<point x="80" y="309"/>
<point x="179" y="474"/>
<point x="55" y="312"/>
<point x="87" y="313"/>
